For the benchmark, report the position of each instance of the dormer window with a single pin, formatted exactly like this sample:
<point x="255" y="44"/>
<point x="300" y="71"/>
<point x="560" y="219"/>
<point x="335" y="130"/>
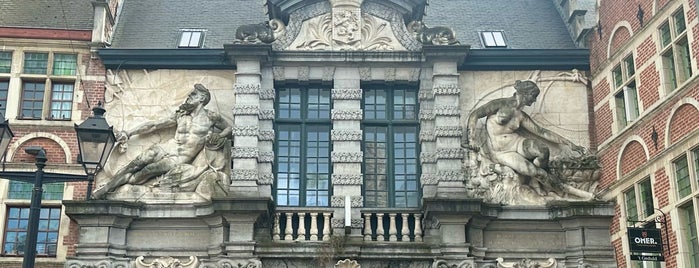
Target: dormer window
<point x="493" y="39"/>
<point x="191" y="38"/>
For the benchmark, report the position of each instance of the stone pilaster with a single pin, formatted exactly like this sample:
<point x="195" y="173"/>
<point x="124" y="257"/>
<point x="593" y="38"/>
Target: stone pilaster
<point x="347" y="150"/>
<point x="253" y="113"/>
<point x="447" y="153"/>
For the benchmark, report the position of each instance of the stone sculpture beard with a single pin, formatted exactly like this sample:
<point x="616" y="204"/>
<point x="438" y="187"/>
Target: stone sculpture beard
<point x="186" y="108"/>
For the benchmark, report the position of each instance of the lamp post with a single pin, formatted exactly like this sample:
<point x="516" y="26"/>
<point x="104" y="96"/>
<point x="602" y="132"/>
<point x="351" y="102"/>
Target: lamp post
<point x="95" y="141"/>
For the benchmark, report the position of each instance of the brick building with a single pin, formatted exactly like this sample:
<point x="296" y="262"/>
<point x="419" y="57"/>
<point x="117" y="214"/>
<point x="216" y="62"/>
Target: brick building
<point x="50" y="76"/>
<point x="643" y="60"/>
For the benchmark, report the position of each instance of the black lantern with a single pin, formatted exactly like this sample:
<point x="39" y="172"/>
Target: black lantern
<point x="96" y="140"/>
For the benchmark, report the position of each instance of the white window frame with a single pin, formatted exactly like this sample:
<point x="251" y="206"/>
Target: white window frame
<point x="493" y="39"/>
<point x="191" y="38"/>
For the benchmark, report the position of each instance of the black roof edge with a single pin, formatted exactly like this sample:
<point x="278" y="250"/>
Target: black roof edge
<point x="165" y="58"/>
<point x="527" y="59"/>
<point x="478" y="59"/>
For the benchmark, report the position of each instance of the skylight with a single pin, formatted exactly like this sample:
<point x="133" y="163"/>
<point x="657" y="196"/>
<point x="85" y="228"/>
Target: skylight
<point x="493" y="39"/>
<point x="191" y="38"/>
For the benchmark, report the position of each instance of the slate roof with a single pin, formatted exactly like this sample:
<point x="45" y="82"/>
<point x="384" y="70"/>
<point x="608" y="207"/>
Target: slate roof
<point x="156" y="23"/>
<point x="528" y="24"/>
<point x="53" y="14"/>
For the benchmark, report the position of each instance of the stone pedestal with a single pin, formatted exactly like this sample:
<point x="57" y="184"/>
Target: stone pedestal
<point x="214" y="233"/>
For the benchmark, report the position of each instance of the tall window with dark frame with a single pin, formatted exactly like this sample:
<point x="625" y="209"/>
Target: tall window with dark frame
<point x="302" y="163"/>
<point x="626" y="96"/>
<point x="390" y="146"/>
<point x="686" y="173"/>
<point x="676" y="60"/>
<point x="5" y="61"/>
<point x="55" y="88"/>
<point x="16" y="224"/>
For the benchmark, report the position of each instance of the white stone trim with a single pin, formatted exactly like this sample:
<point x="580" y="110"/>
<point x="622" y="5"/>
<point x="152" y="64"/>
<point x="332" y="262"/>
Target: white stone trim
<point x="619" y="25"/>
<point x="66" y="149"/>
<point x="634" y="138"/>
<point x="688" y="100"/>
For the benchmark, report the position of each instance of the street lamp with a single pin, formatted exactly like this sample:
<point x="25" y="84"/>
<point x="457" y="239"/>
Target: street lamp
<point x="95" y="140"/>
<point x="94" y="143"/>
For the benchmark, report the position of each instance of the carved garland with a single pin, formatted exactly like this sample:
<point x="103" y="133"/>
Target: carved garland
<point x="265" y="156"/>
<point x="97" y="264"/>
<point x="427" y="135"/>
<point x="427" y="115"/>
<point x="347" y="157"/>
<point x="166" y="262"/>
<point x="265" y="135"/>
<point x="251" y="263"/>
<point x="426" y="157"/>
<point x="426" y="94"/>
<point x="244" y="175"/>
<point x="448" y="131"/>
<point x="245" y="131"/>
<point x="450" y="175"/>
<point x="365" y="74"/>
<point x="339" y="201"/>
<point x="278" y="73"/>
<point x="448" y="89"/>
<point x="346" y="114"/>
<point x="446" y="110"/>
<point x="247" y="88"/>
<point x="245" y="152"/>
<point x="346" y="135"/>
<point x="267" y="114"/>
<point x="347" y="93"/>
<point x="428" y="179"/>
<point x="340" y="223"/>
<point x="267" y="94"/>
<point x="450" y="153"/>
<point x="347" y="179"/>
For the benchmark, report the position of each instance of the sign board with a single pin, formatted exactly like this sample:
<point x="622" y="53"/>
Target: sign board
<point x="645" y="240"/>
<point x="647" y="258"/>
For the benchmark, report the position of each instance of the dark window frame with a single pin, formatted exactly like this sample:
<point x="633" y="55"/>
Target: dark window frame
<point x="50" y="249"/>
<point x="390" y="125"/>
<point x="305" y="125"/>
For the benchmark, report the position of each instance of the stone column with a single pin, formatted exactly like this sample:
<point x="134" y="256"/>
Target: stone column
<point x="347" y="152"/>
<point x="586" y="227"/>
<point x="447" y="118"/>
<point x="252" y="117"/>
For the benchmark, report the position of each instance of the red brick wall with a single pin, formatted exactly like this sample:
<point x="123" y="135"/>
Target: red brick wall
<point x="600" y="91"/>
<point x="619" y="37"/>
<point x="645" y="51"/>
<point x="684" y="121"/>
<point x="54" y="151"/>
<point x="632" y="157"/>
<point x="648" y="83"/>
<point x="603" y="123"/>
<point x="661" y="188"/>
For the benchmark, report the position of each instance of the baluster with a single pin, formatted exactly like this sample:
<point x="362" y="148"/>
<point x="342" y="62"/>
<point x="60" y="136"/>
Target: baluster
<point x="276" y="227"/>
<point x="418" y="228"/>
<point x="380" y="236"/>
<point x="314" y="226"/>
<point x="392" y="231"/>
<point x="326" y="226"/>
<point x="367" y="227"/>
<point x="288" y="231"/>
<point x="301" y="232"/>
<point x="405" y="231"/>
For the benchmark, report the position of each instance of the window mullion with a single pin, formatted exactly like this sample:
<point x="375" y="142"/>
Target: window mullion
<point x="304" y="148"/>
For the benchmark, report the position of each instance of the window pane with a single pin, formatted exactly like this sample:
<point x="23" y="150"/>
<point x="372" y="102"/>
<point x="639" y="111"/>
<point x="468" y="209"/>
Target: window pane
<point x="630" y="68"/>
<point x="289" y="165"/>
<point x="194" y="41"/>
<point x="646" y="198"/>
<point x="665" y="37"/>
<point x="289" y="103"/>
<point x="679" y="22"/>
<point x="64" y="64"/>
<point x="499" y="39"/>
<point x="23" y="190"/>
<point x="5" y="61"/>
<point x="35" y="63"/>
<point x="375" y="104"/>
<point x="682" y="176"/>
<point x="47" y="235"/>
<point x="184" y="39"/>
<point x="405" y="166"/>
<point x="61" y="101"/>
<point x="689" y="223"/>
<point x="618" y="78"/>
<point x="318" y="104"/>
<point x="669" y="70"/>
<point x="685" y="61"/>
<point x="317" y="165"/>
<point x="620" y="102"/>
<point x="630" y="201"/>
<point x="631" y="102"/>
<point x="375" y="166"/>
<point x="4" y="87"/>
<point x="32" y="100"/>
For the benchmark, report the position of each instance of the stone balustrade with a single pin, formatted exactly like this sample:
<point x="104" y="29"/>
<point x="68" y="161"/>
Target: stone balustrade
<point x="393" y="225"/>
<point x="307" y="225"/>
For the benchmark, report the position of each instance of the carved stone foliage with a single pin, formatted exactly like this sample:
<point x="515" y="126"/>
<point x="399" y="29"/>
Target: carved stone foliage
<point x="166" y="262"/>
<point x="347" y="179"/>
<point x="228" y="263"/>
<point x="97" y="264"/>
<point x="340" y="223"/>
<point x="339" y="201"/>
<point x="346" y="28"/>
<point x="395" y="263"/>
<point x="452" y="264"/>
<point x="347" y="263"/>
<point x="526" y="263"/>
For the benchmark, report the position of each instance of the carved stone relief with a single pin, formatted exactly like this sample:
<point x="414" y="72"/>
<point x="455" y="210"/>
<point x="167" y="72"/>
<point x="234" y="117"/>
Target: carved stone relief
<point x="526" y="263"/>
<point x="228" y="263"/>
<point x="347" y="263"/>
<point x="511" y="159"/>
<point x="452" y="264"/>
<point x="166" y="262"/>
